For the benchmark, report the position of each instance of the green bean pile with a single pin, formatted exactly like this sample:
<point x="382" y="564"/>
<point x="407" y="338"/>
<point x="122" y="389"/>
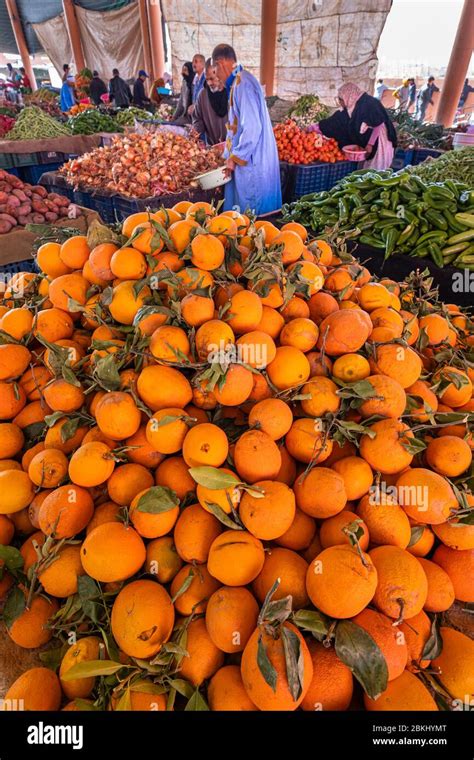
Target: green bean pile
<point x="396" y="213"/>
<point x="455" y="164"/>
<point x="34" y="124"/>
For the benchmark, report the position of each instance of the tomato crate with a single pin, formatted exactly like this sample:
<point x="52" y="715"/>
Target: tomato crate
<point x="341" y="169"/>
<point x="301" y="179"/>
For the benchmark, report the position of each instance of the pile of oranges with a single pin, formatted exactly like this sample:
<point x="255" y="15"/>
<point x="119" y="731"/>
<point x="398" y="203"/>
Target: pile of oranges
<point x="231" y="463"/>
<point x="297" y="146"/>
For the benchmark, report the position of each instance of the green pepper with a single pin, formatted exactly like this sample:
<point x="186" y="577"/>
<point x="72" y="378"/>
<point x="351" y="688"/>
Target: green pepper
<point x="394" y="200"/>
<point x="405" y="234"/>
<point x="466" y="219"/>
<point x="453" y="223"/>
<point x="456" y="248"/>
<point x="390" y="241"/>
<point x="435" y="253"/>
<point x="387" y="214"/>
<point x="437" y="235"/>
<point x="372" y="241"/>
<point x="438" y="191"/>
<point x="437" y="219"/>
<point x="461" y="237"/>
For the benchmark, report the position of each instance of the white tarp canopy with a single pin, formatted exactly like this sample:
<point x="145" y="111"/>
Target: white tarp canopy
<point x="319" y="46"/>
<point x="110" y="39"/>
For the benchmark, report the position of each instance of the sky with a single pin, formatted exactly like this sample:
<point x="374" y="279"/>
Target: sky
<point x="421" y="31"/>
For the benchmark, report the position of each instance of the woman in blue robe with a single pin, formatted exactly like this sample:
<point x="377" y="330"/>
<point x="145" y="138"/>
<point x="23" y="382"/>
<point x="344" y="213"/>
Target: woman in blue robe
<point x="251" y="153"/>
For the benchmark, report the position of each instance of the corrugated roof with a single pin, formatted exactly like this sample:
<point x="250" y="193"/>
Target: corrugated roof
<point x="35" y="11"/>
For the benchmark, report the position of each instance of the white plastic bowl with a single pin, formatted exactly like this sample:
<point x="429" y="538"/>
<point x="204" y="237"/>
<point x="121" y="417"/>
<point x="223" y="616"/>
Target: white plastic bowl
<point x="214" y="178"/>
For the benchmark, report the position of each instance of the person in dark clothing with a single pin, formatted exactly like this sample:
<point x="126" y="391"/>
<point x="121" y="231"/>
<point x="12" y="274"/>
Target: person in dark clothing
<point x="181" y="115"/>
<point x="425" y="98"/>
<point x="210" y="109"/>
<point x="369" y="125"/>
<point x="66" y="71"/>
<point x="337" y="127"/>
<point x="464" y="94"/>
<point x="97" y="88"/>
<point x="119" y="90"/>
<point x="140" y="98"/>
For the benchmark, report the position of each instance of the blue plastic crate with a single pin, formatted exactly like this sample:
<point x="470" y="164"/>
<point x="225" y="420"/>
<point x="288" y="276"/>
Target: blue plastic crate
<point x="56" y="183"/>
<point x="32" y="174"/>
<point x="421" y="154"/>
<point x="341" y="169"/>
<point x="28" y="265"/>
<point x="301" y="179"/>
<point x="13" y="170"/>
<point x="402" y="158"/>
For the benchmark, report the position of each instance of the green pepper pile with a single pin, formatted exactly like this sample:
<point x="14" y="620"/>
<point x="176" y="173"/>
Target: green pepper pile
<point x="396" y="213"/>
<point x="126" y="117"/>
<point x="92" y="121"/>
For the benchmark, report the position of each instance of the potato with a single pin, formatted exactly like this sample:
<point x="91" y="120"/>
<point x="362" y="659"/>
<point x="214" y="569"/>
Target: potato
<point x="3" y="197"/>
<point x="4" y="227"/>
<point x="39" y="206"/>
<point x="20" y="195"/>
<point x="51" y="216"/>
<point x="38" y="218"/>
<point x="8" y="218"/>
<point x="40" y="190"/>
<point x="24" y="209"/>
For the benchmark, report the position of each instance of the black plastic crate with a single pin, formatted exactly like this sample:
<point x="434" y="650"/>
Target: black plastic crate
<point x="402" y="158"/>
<point x="123" y="206"/>
<point x="56" y="183"/>
<point x="421" y="154"/>
<point x="99" y="202"/>
<point x="52" y="157"/>
<point x="33" y="174"/>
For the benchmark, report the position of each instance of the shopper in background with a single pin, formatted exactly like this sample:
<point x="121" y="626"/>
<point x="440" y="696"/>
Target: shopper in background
<point x="97" y="88"/>
<point x="198" y="64"/>
<point x="181" y="114"/>
<point x="67" y="99"/>
<point x="411" y="94"/>
<point x="380" y="88"/>
<point x="369" y="125"/>
<point x="66" y="71"/>
<point x="119" y="90"/>
<point x="425" y="98"/>
<point x="140" y="98"/>
<point x="210" y="110"/>
<point x="465" y="93"/>
<point x="251" y="152"/>
<point x="155" y="96"/>
<point x="401" y="94"/>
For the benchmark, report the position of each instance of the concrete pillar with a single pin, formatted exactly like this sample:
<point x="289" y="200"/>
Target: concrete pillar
<point x="268" y="44"/>
<point x="156" y="36"/>
<point x="74" y="35"/>
<point x="20" y="40"/>
<point x="145" y="30"/>
<point x="457" y="67"/>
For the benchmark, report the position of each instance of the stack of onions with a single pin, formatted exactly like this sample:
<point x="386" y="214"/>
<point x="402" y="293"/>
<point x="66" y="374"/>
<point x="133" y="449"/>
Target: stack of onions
<point x="143" y="165"/>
